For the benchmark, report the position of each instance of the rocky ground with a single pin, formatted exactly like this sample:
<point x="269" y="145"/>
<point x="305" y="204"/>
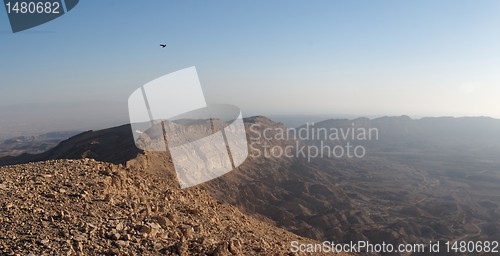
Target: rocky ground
<point x="85" y="207"/>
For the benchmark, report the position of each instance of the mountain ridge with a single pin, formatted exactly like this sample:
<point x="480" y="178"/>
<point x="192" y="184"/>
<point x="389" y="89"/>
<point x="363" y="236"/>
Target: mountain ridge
<point x="398" y="193"/>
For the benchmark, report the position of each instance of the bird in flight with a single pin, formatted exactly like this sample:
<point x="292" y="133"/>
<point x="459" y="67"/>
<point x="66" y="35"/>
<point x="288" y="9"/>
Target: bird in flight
<point x="163" y="45"/>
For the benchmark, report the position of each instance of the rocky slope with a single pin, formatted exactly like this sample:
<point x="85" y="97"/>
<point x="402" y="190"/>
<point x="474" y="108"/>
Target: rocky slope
<point x="85" y="207"/>
<point x="417" y="183"/>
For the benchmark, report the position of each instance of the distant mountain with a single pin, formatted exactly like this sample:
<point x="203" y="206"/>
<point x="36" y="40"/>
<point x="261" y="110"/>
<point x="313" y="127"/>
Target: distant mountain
<point x="422" y="180"/>
<point x="426" y="132"/>
<point x="33" y="144"/>
<point x="114" y="145"/>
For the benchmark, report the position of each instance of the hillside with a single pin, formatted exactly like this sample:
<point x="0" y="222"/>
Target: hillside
<point x="75" y="207"/>
<point x="423" y="180"/>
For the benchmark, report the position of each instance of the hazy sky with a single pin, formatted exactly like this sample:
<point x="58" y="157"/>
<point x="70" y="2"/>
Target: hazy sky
<point x="420" y="58"/>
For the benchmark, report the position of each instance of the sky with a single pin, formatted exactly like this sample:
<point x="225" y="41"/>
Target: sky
<point x="270" y="57"/>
